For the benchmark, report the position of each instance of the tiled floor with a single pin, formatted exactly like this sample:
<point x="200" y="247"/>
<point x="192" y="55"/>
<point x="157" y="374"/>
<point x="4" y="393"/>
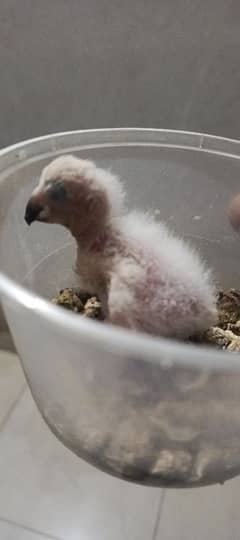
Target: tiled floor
<point x="47" y="492"/>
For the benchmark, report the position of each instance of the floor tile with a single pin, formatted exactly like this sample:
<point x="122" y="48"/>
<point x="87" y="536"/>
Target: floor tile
<point x="47" y="488"/>
<point x="9" y="531"/>
<point x="207" y="513"/>
<point x="12" y="382"/>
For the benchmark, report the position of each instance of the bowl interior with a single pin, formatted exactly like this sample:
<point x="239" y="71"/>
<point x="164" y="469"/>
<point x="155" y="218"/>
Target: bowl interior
<point x="189" y="189"/>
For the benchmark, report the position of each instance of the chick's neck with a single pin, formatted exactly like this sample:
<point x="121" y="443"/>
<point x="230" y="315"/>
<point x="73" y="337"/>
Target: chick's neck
<point x="96" y="241"/>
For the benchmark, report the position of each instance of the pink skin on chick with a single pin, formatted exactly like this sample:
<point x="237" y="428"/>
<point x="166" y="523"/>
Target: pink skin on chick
<point x="146" y="278"/>
<point x="234" y="212"/>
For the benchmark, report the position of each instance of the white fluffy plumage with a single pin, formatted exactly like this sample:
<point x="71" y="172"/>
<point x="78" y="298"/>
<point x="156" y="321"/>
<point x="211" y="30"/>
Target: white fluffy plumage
<point x="165" y="288"/>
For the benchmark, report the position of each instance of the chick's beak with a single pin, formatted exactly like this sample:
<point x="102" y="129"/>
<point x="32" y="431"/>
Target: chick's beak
<point x="32" y="212"/>
<point x="35" y="212"/>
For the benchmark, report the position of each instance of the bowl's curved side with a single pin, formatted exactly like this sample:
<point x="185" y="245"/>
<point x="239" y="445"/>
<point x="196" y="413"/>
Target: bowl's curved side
<point x="154" y="423"/>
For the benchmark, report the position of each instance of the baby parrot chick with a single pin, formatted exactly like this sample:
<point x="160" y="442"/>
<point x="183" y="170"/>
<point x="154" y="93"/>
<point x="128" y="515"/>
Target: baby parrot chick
<point x="146" y="278"/>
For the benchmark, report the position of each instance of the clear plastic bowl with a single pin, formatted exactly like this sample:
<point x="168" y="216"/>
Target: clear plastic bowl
<point x="148" y="410"/>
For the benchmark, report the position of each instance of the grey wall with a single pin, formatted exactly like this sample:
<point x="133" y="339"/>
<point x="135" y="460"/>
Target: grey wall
<point x="68" y="64"/>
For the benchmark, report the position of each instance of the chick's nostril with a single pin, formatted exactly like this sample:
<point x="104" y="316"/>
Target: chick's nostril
<point x="32" y="212"/>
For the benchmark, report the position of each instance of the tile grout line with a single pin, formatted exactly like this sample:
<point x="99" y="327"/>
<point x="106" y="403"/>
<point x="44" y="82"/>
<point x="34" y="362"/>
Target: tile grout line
<point x="158" y="516"/>
<point x="45" y="536"/>
<point x="2" y="426"/>
<point x="12" y="407"/>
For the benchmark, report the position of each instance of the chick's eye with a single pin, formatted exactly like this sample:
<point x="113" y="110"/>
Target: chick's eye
<point x="57" y="191"/>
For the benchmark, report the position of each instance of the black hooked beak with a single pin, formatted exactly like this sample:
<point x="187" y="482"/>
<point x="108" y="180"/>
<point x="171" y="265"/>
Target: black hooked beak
<point x="32" y="212"/>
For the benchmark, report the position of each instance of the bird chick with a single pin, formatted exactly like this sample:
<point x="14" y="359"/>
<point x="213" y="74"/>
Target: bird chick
<point x="146" y="278"/>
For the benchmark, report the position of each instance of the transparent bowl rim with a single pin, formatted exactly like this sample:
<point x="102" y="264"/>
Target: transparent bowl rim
<point x="107" y="337"/>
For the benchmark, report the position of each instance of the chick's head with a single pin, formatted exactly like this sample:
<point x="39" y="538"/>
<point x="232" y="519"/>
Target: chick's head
<point x="76" y="194"/>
